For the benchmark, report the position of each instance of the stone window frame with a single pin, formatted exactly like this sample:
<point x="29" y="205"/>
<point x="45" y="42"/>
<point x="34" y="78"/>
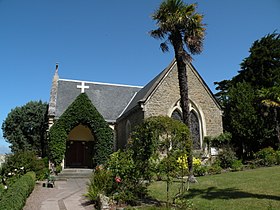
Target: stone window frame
<point x="199" y="113"/>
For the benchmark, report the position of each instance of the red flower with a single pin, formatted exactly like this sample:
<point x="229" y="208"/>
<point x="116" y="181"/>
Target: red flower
<point x="118" y="179"/>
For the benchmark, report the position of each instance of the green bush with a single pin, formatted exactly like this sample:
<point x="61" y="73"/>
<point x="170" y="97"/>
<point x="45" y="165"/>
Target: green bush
<point x="22" y="162"/>
<point x="220" y="141"/>
<point x="2" y="190"/>
<point x="277" y="153"/>
<point x="236" y="165"/>
<point x="200" y="170"/>
<point x="226" y="157"/>
<point x="100" y="183"/>
<point x="128" y="184"/>
<point x="119" y="179"/>
<point x="215" y="168"/>
<point x="15" y="196"/>
<point x="266" y="157"/>
<point x="129" y="172"/>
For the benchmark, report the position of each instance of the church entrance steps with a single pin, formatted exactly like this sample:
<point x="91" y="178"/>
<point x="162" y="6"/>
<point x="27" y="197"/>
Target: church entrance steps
<point x="74" y="173"/>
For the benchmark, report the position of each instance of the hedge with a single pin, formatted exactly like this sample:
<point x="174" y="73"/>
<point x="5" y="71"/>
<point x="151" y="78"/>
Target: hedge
<point x="15" y="196"/>
<point x="83" y="112"/>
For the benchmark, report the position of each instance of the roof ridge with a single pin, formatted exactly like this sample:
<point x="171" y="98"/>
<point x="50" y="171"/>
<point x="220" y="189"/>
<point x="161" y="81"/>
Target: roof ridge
<point x="101" y="83"/>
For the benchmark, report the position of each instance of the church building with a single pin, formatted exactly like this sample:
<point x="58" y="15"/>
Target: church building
<point x="125" y="106"/>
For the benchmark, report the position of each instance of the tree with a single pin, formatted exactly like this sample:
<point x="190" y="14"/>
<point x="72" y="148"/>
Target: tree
<point x="156" y="144"/>
<point x="271" y="98"/>
<point x="180" y="25"/>
<point x="244" y="120"/>
<point x="262" y="67"/>
<point x="245" y="116"/>
<point x="25" y="127"/>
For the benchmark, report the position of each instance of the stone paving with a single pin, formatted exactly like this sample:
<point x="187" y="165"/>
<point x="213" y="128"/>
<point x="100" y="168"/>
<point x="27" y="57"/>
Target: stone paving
<point x="66" y="195"/>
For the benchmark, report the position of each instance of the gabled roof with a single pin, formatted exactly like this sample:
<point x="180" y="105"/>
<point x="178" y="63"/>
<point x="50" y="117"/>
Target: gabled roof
<point x="147" y="90"/>
<point x="112" y="100"/>
<point x="109" y="99"/>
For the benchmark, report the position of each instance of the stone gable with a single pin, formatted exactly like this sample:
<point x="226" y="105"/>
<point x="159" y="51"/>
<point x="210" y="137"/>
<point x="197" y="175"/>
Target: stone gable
<point x="166" y="95"/>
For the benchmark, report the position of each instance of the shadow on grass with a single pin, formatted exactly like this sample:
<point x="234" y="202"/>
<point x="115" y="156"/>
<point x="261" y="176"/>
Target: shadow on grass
<point x="212" y="193"/>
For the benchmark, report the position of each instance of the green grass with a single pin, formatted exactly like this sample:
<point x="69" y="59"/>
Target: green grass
<point x="251" y="189"/>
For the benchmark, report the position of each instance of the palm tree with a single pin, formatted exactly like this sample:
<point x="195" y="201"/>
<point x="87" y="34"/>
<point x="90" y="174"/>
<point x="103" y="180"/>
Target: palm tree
<point x="179" y="25"/>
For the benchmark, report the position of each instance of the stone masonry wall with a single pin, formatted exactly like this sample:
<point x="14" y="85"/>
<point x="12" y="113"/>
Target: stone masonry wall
<point x="203" y="98"/>
<point x="166" y="95"/>
<point x="162" y="101"/>
<point x="135" y="118"/>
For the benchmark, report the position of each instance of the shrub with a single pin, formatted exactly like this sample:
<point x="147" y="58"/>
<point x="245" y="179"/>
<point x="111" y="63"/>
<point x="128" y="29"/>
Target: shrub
<point x="28" y="161"/>
<point x="198" y="168"/>
<point x="119" y="179"/>
<point x="152" y="140"/>
<point x="215" y="168"/>
<point x="127" y="179"/>
<point x="227" y="158"/>
<point x="220" y="141"/>
<point x="15" y="196"/>
<point x="277" y="153"/>
<point x="237" y="165"/>
<point x="266" y="157"/>
<point x="100" y="183"/>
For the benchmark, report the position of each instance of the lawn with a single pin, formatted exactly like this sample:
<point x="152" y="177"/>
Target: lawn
<point x="250" y="189"/>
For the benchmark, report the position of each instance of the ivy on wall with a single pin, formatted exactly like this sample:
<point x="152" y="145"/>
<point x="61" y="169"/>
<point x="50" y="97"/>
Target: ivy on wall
<point x="81" y="111"/>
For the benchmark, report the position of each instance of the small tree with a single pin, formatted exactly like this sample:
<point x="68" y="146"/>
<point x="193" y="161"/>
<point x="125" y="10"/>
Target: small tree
<point x="25" y="127"/>
<point x="163" y="140"/>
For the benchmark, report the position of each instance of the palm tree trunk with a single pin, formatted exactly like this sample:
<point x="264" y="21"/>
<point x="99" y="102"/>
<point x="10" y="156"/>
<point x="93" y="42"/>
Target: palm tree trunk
<point x="183" y="86"/>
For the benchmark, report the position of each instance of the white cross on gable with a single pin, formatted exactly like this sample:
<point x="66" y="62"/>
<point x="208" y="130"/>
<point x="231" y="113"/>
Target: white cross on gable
<point x="83" y="87"/>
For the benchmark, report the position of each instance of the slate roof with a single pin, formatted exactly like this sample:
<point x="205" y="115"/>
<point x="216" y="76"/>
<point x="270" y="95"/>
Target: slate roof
<point x="113" y="100"/>
<point x="109" y="99"/>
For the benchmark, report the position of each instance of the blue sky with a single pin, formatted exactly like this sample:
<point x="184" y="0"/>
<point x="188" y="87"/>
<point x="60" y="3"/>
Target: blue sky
<point x="108" y="41"/>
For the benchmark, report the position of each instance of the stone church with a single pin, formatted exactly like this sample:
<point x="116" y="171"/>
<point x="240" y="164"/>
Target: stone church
<point x="125" y="106"/>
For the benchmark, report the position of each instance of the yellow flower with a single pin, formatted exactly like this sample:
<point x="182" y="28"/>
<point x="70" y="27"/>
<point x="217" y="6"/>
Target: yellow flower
<point x="183" y="161"/>
<point x="196" y="161"/>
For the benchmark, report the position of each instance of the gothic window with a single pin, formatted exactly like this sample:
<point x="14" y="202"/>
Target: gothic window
<point x="194" y="127"/>
<point x="195" y="130"/>
<point x="127" y="130"/>
<point x="176" y="115"/>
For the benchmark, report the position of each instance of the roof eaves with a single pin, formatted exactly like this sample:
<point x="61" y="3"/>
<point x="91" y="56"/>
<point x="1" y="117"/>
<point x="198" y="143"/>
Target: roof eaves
<point x="128" y="104"/>
<point x="162" y="76"/>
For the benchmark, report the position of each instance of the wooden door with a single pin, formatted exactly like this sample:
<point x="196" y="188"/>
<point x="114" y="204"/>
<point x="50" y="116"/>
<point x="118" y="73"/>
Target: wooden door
<point x="79" y="154"/>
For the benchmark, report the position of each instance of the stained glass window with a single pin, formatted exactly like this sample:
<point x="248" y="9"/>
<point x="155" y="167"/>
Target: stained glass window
<point x="176" y="115"/>
<point x="195" y="130"/>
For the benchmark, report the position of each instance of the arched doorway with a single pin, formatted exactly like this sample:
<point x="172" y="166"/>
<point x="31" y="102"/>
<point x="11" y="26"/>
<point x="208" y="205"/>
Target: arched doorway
<point x="79" y="148"/>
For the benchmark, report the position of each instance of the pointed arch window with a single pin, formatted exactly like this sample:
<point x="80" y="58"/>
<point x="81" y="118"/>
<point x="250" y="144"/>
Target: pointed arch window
<point x="177" y="115"/>
<point x="127" y="130"/>
<point x="195" y="130"/>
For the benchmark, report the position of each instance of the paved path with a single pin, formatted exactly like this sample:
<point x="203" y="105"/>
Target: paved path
<point x="66" y="195"/>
